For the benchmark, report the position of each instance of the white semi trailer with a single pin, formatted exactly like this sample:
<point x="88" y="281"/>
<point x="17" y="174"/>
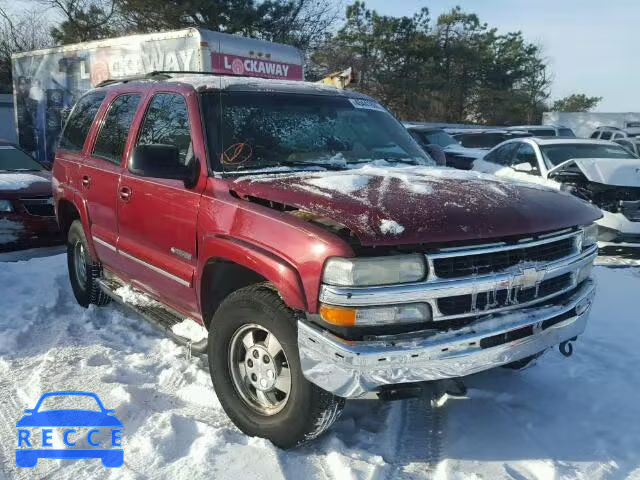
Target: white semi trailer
<point x="46" y="83"/>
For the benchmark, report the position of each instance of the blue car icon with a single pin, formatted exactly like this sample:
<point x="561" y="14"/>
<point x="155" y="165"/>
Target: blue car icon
<point x="105" y="418"/>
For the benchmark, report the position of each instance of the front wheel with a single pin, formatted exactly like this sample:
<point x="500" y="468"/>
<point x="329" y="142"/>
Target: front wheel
<point x="255" y="368"/>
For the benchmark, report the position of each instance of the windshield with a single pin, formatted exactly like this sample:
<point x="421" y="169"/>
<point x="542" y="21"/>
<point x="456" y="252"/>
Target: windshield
<point x="558" y="153"/>
<point x="436" y="137"/>
<point x="14" y="160"/>
<point x="260" y="130"/>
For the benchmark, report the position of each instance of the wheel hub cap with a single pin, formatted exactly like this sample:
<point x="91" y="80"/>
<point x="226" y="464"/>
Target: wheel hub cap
<point x="261" y="368"/>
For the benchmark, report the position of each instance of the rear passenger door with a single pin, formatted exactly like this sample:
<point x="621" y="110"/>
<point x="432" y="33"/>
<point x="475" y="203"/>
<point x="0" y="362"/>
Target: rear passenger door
<point x="157" y="217"/>
<point x="100" y="174"/>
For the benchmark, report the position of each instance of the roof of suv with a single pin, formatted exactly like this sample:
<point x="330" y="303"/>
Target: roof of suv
<point x="231" y="83"/>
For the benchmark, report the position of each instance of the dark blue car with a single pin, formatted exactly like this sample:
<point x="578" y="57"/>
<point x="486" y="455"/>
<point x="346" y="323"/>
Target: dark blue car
<point x="28" y="457"/>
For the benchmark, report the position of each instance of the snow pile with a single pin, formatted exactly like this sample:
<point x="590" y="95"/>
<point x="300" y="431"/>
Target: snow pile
<point x="19" y="181"/>
<point x="391" y="226"/>
<point x="573" y="418"/>
<point x="190" y="330"/>
<point x="345" y="183"/>
<point x="510" y="174"/>
<point x="134" y="297"/>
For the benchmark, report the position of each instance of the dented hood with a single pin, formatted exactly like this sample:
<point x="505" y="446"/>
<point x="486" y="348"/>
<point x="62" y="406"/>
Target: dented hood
<point x="411" y="205"/>
<point x="621" y="172"/>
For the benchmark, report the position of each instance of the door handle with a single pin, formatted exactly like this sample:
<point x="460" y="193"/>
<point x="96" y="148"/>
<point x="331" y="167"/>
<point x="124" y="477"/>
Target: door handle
<point x="125" y="194"/>
<point x="86" y="181"/>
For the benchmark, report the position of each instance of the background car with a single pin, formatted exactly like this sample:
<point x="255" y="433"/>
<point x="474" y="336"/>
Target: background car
<point x="486" y="138"/>
<point x="600" y="172"/>
<point x="544" y="130"/>
<point x="27" y="217"/>
<point x="615" y="133"/>
<point x="456" y="155"/>
<point x="630" y="143"/>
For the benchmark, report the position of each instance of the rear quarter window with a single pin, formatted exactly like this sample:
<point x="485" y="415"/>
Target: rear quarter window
<point x="77" y="127"/>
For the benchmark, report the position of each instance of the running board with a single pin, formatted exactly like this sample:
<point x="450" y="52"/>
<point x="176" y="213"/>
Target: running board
<point x="154" y="312"/>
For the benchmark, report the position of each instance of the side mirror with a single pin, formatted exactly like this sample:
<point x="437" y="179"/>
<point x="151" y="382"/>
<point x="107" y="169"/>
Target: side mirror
<point x="163" y="161"/>
<point x="524" y="167"/>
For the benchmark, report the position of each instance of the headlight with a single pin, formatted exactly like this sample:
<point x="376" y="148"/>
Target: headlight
<point x="360" y="272"/>
<point x="376" y="316"/>
<point x="6" y="206"/>
<point x="589" y="235"/>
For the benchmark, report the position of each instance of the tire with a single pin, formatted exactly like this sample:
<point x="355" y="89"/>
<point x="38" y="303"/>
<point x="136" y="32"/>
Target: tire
<point x="523" y="363"/>
<point x="306" y="411"/>
<point x="85" y="288"/>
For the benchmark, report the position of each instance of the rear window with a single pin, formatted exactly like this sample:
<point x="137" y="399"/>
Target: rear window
<point x="566" y="132"/>
<point x="481" y="140"/>
<point x="543" y="132"/>
<point x="77" y="127"/>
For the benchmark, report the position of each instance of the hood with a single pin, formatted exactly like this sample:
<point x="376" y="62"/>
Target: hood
<point x="20" y="184"/>
<point x="621" y="172"/>
<point x="412" y="205"/>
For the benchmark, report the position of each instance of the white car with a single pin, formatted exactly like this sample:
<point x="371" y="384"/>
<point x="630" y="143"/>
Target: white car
<point x="601" y="172"/>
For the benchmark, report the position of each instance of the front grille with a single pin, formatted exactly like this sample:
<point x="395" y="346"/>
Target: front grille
<point x="463" y="304"/>
<point x="40" y="207"/>
<point x="500" y="260"/>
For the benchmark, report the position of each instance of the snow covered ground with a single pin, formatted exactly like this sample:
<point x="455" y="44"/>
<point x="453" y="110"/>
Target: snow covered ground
<point x="576" y="418"/>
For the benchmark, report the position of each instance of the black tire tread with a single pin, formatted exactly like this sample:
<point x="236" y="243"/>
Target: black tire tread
<point x="324" y="407"/>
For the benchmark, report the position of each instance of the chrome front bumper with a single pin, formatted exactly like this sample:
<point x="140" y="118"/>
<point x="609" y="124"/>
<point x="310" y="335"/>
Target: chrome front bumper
<point x="352" y="369"/>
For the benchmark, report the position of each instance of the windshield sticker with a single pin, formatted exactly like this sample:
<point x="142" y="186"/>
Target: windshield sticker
<point x="363" y="103"/>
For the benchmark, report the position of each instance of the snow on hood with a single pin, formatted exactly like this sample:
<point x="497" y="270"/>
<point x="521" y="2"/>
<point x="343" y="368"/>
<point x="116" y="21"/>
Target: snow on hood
<point x="622" y="172"/>
<point x="19" y="181"/>
<point x="418" y="204"/>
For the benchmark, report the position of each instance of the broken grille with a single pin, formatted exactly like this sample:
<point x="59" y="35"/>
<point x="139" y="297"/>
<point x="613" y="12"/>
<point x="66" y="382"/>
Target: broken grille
<point x="498" y="260"/>
<point x="465" y="304"/>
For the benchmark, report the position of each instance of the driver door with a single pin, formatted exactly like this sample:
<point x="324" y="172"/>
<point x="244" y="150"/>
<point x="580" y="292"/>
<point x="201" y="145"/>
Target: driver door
<point x="157" y="218"/>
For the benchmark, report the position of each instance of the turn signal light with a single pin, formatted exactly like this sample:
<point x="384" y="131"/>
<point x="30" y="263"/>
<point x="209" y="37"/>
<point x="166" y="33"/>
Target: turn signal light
<point x="342" y="317"/>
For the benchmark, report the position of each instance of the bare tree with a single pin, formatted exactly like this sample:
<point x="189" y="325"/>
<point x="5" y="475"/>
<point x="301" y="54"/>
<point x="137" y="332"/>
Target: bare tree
<point x="19" y="33"/>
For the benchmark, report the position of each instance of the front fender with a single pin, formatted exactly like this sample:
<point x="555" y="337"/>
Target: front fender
<point x="275" y="269"/>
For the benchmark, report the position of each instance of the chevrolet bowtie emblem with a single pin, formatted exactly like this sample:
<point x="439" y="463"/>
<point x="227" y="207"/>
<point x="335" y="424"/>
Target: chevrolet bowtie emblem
<point x="528" y="278"/>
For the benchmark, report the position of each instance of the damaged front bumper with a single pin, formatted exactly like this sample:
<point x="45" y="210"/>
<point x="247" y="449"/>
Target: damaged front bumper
<point x="352" y="369"/>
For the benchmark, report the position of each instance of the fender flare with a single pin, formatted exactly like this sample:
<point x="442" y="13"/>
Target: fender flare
<point x="282" y="274"/>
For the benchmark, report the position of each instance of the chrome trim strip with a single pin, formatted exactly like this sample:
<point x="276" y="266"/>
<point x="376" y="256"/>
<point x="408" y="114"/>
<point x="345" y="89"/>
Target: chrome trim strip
<point x="429" y="291"/>
<point x="352" y="369"/>
<point x="155" y="269"/>
<point x="468" y="251"/>
<point x="104" y="244"/>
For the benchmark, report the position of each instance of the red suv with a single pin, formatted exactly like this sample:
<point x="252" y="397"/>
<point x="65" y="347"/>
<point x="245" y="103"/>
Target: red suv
<point x="305" y="229"/>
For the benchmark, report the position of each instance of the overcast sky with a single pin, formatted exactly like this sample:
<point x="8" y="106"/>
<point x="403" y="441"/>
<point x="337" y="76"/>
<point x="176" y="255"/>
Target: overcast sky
<point x="592" y="45"/>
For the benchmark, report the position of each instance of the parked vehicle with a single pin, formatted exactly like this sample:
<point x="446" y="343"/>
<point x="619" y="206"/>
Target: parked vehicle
<point x="27" y="217"/>
<point x="304" y="228"/>
<point x="601" y="172"/>
<point x="485" y="139"/>
<point x="544" y="130"/>
<point x="615" y="133"/>
<point x="456" y="155"/>
<point x="584" y="123"/>
<point x="630" y="143"/>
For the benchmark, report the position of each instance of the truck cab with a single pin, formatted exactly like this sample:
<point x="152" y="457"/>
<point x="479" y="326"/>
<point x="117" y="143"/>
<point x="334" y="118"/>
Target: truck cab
<point x="312" y="239"/>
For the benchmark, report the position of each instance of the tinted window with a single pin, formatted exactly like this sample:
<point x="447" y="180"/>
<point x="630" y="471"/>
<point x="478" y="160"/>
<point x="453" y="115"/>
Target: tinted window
<point x="502" y="155"/>
<point x="14" y="160"/>
<point x="543" y="132"/>
<point x="298" y="130"/>
<point x="481" y="140"/>
<point x="77" y="127"/>
<point x="167" y="122"/>
<point x="618" y="135"/>
<point x="115" y="128"/>
<point x="595" y="134"/>
<point x="566" y="132"/>
<point x="558" y="153"/>
<point x="605" y="135"/>
<point x="435" y="137"/>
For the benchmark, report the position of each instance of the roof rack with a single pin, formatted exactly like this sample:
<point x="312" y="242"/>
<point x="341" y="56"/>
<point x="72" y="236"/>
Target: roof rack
<point x="154" y="75"/>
